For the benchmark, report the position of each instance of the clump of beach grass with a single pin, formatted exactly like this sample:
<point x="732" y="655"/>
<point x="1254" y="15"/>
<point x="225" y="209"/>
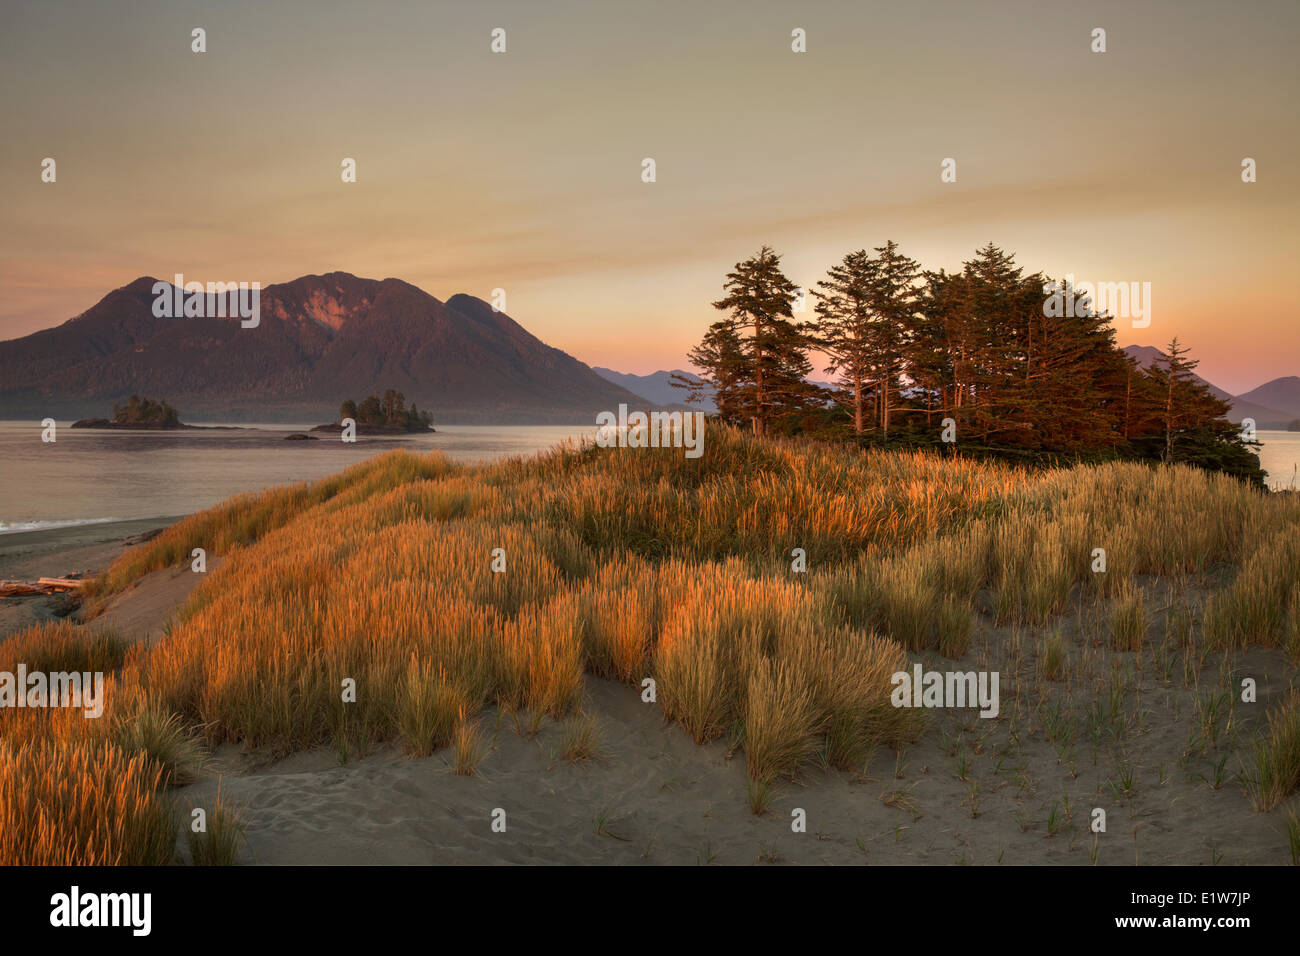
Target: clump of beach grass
<point x="82" y="804"/>
<point x="580" y="739"/>
<point x="1128" y="621"/>
<point x="1051" y="659"/>
<point x="165" y="740"/>
<point x="430" y="711"/>
<point x="1276" y="774"/>
<point x="469" y="745"/>
<point x="218" y="842"/>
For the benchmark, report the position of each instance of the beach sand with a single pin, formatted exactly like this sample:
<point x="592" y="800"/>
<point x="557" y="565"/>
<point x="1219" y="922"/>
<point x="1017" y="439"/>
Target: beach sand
<point x="653" y="796"/>
<point x="55" y="552"/>
<point x="656" y="797"/>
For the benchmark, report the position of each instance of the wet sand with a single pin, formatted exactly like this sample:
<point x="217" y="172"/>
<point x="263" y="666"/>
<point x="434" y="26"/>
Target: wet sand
<point x="55" y="552"/>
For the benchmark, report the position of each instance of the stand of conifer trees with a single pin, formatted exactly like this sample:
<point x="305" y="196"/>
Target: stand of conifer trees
<point x="980" y="350"/>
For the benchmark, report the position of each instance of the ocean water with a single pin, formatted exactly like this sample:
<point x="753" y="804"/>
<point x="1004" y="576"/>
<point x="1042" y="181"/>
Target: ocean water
<point x="90" y="476"/>
<point x="1280" y="457"/>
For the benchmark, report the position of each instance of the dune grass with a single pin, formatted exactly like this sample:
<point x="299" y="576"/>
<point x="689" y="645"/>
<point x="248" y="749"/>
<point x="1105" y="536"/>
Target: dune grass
<point x="81" y="804"/>
<point x="63" y="646"/>
<point x="219" y="841"/>
<point x="1276" y="773"/>
<point x="635" y="564"/>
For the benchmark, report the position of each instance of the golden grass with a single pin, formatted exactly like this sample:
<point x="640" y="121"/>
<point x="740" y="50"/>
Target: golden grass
<point x="63" y="646"/>
<point x="470" y="747"/>
<point x="218" y="843"/>
<point x="1277" y="756"/>
<point x="1128" y="621"/>
<point x="81" y="804"/>
<point x="1262" y="604"/>
<point x="430" y="710"/>
<point x="581" y="740"/>
<point x="163" y="738"/>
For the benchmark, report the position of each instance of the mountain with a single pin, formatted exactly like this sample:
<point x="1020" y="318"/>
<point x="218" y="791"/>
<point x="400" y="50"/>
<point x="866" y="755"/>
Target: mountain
<point x="655" y="387"/>
<point x="1281" y="393"/>
<point x="320" y="339"/>
<point x="1248" y="405"/>
<point x="1147" y="354"/>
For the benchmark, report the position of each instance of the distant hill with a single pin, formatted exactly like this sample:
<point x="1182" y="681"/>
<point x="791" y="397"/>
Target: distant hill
<point x="655" y="387"/>
<point x="1250" y="405"/>
<point x="321" y="339"/>
<point x="1281" y="393"/>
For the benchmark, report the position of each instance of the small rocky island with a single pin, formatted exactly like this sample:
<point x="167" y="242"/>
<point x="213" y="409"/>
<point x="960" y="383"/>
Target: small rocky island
<point x="386" y="416"/>
<point x="143" y="414"/>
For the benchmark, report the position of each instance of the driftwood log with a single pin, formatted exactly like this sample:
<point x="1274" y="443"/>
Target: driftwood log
<point x="41" y="586"/>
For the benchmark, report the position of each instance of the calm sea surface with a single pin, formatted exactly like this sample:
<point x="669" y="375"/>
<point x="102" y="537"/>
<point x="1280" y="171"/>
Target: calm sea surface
<point x="88" y="476"/>
<point x="1280" y="457"/>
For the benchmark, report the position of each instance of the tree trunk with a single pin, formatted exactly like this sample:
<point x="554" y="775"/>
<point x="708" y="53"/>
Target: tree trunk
<point x="857" y="402"/>
<point x="759" y="423"/>
<point x="884" y="404"/>
<point x="1128" y="402"/>
<point x="1169" y="416"/>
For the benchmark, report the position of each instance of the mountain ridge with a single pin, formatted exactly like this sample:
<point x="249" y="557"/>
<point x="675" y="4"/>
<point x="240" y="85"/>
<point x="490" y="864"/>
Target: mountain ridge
<point x="1243" y="405"/>
<point x="656" y="387"/>
<point x="320" y="339"/>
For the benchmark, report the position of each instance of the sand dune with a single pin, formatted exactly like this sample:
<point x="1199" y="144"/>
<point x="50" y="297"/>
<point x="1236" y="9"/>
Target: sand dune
<point x="654" y="796"/>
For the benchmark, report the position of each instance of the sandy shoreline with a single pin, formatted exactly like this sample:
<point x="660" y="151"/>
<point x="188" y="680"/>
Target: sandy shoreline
<point x="54" y="552"/>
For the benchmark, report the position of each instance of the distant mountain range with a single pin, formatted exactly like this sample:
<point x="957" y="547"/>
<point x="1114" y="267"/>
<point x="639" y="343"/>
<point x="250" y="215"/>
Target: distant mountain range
<point x="656" y="387"/>
<point x="1274" y="404"/>
<point x="321" y="339"/>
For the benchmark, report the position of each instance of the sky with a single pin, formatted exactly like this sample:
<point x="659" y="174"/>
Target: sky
<point x="522" y="170"/>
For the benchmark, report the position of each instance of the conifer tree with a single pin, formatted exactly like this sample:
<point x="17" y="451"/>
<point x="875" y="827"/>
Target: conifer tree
<point x="843" y="328"/>
<point x="723" y="368"/>
<point x="1180" y="398"/>
<point x="867" y="318"/>
<point x="770" y="377"/>
<point x="1023" y="375"/>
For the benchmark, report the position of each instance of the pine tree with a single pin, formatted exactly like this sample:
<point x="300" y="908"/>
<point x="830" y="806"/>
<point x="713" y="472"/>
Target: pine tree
<point x="1074" y="387"/>
<point x="370" y="411"/>
<point x="759" y="304"/>
<point x="894" y="301"/>
<point x="993" y="288"/>
<point x="722" y="362"/>
<point x="843" y="329"/>
<point x="1174" y="375"/>
<point x="867" y="319"/>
